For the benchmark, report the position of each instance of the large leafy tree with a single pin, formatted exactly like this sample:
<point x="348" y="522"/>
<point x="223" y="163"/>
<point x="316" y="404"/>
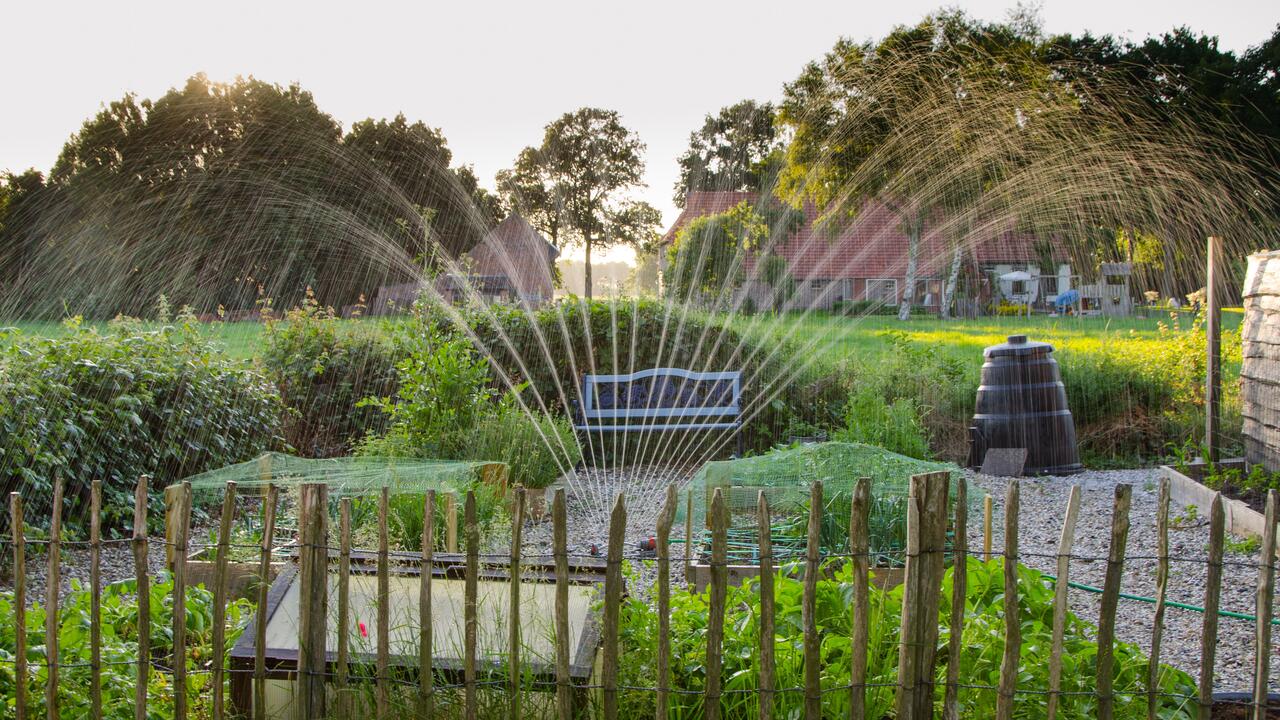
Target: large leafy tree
<point x="573" y="186"/>
<point x="738" y="148"/>
<point x="715" y="255"/>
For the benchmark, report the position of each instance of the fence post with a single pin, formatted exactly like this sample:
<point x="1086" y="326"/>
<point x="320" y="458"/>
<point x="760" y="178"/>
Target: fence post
<point x="181" y="534"/>
<point x="1213" y="343"/>
<point x="1266" y="597"/>
<point x="860" y="552"/>
<point x="172" y="500"/>
<point x="313" y="597"/>
<point x="809" y="607"/>
<point x="53" y="581"/>
<point x="1110" y="599"/>
<point x="926" y="539"/>
<point x="95" y="600"/>
<point x="470" y="704"/>
<point x="141" y="569"/>
<point x="688" y="537"/>
<point x="513" y="634"/>
<point x="1162" y="586"/>
<point x="382" y="669"/>
<point x="764" y="522"/>
<point x="1065" y="541"/>
<point x="719" y="520"/>
<point x="1212" y="600"/>
<point x="264" y="586"/>
<point x="450" y="523"/>
<point x="663" y="548"/>
<point x="19" y="606"/>
<point x="612" y="603"/>
<point x="426" y="674"/>
<point x="1012" y="622"/>
<point x="959" y="592"/>
<point x="220" y="598"/>
<point x="342" y="693"/>
<point x="987" y="511"/>
<point x="560" y="552"/>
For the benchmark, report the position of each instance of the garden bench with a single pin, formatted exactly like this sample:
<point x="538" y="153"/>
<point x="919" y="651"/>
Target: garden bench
<point x="661" y="400"/>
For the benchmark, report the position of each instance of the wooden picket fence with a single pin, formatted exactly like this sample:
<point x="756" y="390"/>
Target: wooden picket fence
<point x="928" y="522"/>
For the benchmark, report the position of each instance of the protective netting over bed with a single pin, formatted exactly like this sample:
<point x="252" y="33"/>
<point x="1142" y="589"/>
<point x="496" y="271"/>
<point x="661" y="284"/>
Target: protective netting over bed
<point x="347" y="476"/>
<point x="786" y="476"/>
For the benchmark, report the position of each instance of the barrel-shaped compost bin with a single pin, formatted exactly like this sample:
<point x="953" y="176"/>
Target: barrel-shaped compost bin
<point x="1022" y="404"/>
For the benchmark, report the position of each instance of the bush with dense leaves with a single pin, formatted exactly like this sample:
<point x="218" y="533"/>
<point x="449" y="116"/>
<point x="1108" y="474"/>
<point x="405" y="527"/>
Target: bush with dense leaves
<point x="115" y="404"/>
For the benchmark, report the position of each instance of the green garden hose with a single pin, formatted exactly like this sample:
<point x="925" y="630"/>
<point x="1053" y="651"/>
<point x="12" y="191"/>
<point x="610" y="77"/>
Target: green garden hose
<point x="1170" y="603"/>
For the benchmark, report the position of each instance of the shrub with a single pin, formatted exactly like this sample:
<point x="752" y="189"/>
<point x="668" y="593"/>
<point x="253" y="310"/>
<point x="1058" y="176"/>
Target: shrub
<point x="121" y="403"/>
<point x="537" y="448"/>
<point x="873" y="307"/>
<point x="324" y="366"/>
<point x="894" y="426"/>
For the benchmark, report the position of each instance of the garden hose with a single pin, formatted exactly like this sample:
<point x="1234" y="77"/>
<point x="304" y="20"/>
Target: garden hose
<point x="1170" y="603"/>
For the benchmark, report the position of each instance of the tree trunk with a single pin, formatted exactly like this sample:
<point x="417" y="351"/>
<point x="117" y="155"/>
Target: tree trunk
<point x="586" y="269"/>
<point x="913" y="252"/>
<point x="949" y="291"/>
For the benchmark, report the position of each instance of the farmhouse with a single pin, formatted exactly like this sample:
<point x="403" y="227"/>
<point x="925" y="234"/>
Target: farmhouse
<point x="513" y="263"/>
<point x="867" y="260"/>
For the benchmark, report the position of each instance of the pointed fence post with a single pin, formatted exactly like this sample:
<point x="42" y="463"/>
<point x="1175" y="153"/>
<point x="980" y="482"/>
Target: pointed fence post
<point x="342" y="674"/>
<point x="860" y="552"/>
<point x="1212" y="601"/>
<point x="1266" y="601"/>
<point x="513" y="632"/>
<point x="142" y="582"/>
<point x="1012" y="621"/>
<point x="663" y="548"/>
<point x="426" y="673"/>
<point x="1061" y="585"/>
<point x="95" y="600"/>
<point x="1213" y="345"/>
<point x="53" y="583"/>
<point x="1162" y="587"/>
<point x="220" y="599"/>
<point x="560" y="552"/>
<point x="382" y="661"/>
<point x="1110" y="600"/>
<point x="717" y="591"/>
<point x="313" y="597"/>
<point x="959" y="593"/>
<point x="19" y="606"/>
<point x="612" y="608"/>
<point x="181" y="534"/>
<point x="922" y="591"/>
<point x="809" y="607"/>
<point x="470" y="611"/>
<point x="768" y="666"/>
<point x="264" y="587"/>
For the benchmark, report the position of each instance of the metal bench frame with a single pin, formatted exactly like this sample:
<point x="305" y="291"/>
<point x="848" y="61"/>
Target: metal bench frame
<point x="591" y="418"/>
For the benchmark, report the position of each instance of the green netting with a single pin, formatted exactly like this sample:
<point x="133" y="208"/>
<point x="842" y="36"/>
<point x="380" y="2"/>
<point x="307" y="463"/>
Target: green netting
<point x="345" y="476"/>
<point x="786" y="476"/>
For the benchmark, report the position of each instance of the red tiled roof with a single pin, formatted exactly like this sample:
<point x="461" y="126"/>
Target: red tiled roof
<point x="870" y="245"/>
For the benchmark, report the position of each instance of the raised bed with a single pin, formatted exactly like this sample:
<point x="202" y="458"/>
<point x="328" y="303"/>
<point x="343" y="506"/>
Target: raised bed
<point x="1185" y="489"/>
<point x="700" y="573"/>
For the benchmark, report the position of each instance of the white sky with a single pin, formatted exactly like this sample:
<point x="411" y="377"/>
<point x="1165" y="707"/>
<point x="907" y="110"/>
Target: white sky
<point x="490" y="75"/>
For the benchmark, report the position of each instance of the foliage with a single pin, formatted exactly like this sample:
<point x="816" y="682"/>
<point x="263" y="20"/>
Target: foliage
<point x="537" y="448"/>
<point x="131" y="400"/>
<point x="119" y="629"/>
<point x="323" y="367"/>
<point x="856" y="308"/>
<point x="405" y="516"/>
<point x="712" y="256"/>
<point x="983" y="643"/>
<point x="893" y="425"/>
<point x="736" y="149"/>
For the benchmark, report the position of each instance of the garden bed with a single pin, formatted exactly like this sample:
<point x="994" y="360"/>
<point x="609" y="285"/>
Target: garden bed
<point x="1242" y="508"/>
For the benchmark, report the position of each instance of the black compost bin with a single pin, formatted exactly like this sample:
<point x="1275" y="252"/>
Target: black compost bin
<point x="1023" y="404"/>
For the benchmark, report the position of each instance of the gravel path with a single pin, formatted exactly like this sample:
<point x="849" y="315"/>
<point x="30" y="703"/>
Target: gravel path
<point x="1043" y="503"/>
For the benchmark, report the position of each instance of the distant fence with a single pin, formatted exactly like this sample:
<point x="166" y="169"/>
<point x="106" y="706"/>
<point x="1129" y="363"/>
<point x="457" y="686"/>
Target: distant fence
<point x="322" y="675"/>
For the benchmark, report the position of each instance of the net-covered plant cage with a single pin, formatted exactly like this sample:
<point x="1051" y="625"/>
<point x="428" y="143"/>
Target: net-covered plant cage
<point x="786" y="477"/>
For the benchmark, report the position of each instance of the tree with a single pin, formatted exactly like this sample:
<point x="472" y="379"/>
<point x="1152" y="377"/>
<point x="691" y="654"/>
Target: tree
<point x="715" y="255"/>
<point x="572" y="185"/>
<point x="735" y="149"/>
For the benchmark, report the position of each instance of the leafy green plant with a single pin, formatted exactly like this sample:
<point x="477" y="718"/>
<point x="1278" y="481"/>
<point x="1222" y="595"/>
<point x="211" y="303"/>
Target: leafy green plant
<point x="119" y="649"/>
<point x="132" y="399"/>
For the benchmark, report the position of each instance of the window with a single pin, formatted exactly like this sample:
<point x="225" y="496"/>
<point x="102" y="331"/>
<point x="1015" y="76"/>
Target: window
<point x="1019" y="287"/>
<point x="884" y="290"/>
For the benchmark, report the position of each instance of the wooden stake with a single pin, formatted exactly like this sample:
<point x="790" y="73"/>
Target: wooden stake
<point x="688" y="538"/>
<point x="220" y="599"/>
<point x="471" y="708"/>
<point x="142" y="580"/>
<point x="718" y="590"/>
<point x="1213" y="349"/>
<point x="426" y="673"/>
<point x="182" y="532"/>
<point x="987" y="510"/>
<point x="513" y="633"/>
<point x="1162" y="586"/>
<point x="663" y="548"/>
<point x="1012" y="621"/>
<point x="559" y="550"/>
<point x="959" y="592"/>
<point x="95" y="599"/>
<point x="383" y="659"/>
<point x="1110" y="599"/>
<point x="342" y="693"/>
<point x="612" y="607"/>
<point x="53" y="582"/>
<point x="809" y="607"/>
<point x="921" y="597"/>
<point x="860" y="550"/>
<point x="264" y="587"/>
<point x="451" y="523"/>
<point x="313" y="597"/>
<point x="1212" y="600"/>
<point x="16" y="526"/>
<point x="1266" y="598"/>
<point x="768" y="667"/>
<point x="1065" y="541"/>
